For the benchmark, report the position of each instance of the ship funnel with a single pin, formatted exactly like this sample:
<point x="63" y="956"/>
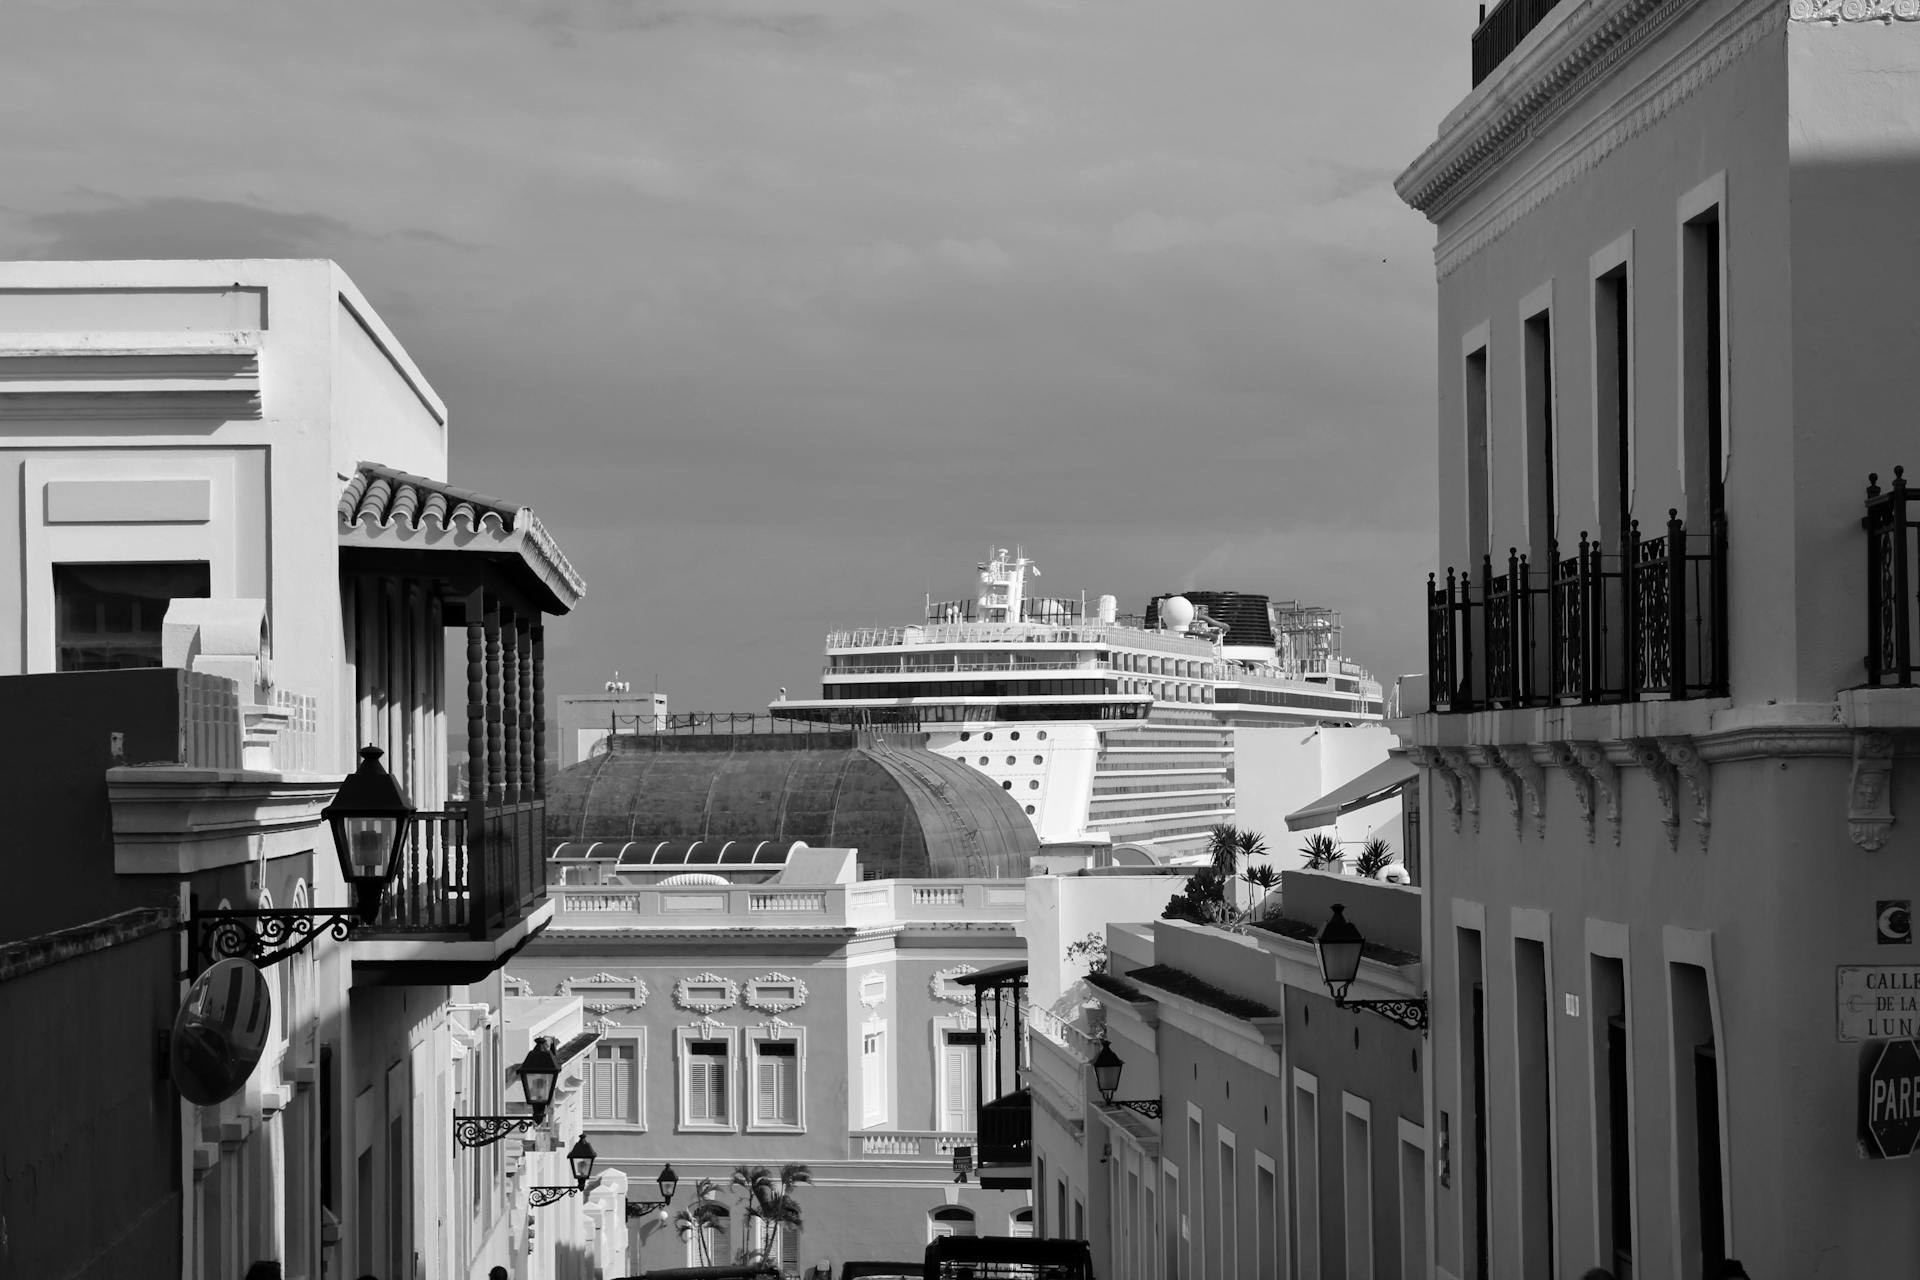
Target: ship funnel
<point x="1109" y="610"/>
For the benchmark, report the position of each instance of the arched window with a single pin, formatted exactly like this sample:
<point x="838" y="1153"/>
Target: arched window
<point x="950" y="1220"/>
<point x="1020" y="1223"/>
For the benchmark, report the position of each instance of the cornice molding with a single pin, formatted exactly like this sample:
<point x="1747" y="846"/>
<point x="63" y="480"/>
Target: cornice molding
<point x="1836" y="11"/>
<point x="1562" y="73"/>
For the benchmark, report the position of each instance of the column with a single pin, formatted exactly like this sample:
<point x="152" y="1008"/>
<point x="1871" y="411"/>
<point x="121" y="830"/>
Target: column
<point x="510" y="704"/>
<point x="496" y="763"/>
<point x="538" y="635"/>
<point x="476" y="707"/>
<point x="529" y="770"/>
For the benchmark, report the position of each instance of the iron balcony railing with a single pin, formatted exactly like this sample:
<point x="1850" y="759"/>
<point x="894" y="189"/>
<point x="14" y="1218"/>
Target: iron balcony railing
<point x="1594" y="627"/>
<point x="473" y="871"/>
<point x="1891" y="602"/>
<point x="1501" y="32"/>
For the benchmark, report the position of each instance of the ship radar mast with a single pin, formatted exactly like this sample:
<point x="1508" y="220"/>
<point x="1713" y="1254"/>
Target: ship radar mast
<point x="1003" y="585"/>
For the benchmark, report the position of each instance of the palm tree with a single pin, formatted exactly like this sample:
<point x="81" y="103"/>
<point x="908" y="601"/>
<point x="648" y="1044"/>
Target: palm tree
<point x="1263" y="878"/>
<point x="771" y="1203"/>
<point x="696" y="1222"/>
<point x="1375" y="856"/>
<point x="1322" y="852"/>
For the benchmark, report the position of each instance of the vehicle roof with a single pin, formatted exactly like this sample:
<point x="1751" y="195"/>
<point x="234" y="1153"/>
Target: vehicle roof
<point x="1007" y="1249"/>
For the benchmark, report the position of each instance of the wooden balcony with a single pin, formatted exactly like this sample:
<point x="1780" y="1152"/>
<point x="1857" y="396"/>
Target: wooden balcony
<point x="470" y="890"/>
<point x="1647" y="623"/>
<point x="1006" y="1131"/>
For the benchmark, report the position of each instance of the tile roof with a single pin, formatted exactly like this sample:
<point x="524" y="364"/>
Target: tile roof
<point x="381" y="506"/>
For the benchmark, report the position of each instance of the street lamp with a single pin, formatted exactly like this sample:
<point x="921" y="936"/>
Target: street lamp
<point x="1106" y="1077"/>
<point x="369" y="818"/>
<point x="1340" y="945"/>
<point x="538" y="1071"/>
<point x="669" y="1182"/>
<point x="581" y="1158"/>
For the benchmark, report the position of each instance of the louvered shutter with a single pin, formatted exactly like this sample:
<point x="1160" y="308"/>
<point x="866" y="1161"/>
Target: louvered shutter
<point x="601" y="1094"/>
<point x="623" y="1105"/>
<point x="699" y="1107"/>
<point x="957" y="1084"/>
<point x="873" y="1080"/>
<point x="717" y="1088"/>
<point x="790" y="1089"/>
<point x="768" y="1085"/>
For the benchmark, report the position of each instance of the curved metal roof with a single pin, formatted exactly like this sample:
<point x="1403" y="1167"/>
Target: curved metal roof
<point x="740" y="800"/>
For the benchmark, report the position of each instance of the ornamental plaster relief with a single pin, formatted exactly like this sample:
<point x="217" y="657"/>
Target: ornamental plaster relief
<point x="706" y="993"/>
<point x="1469" y="781"/>
<point x="1606" y="779"/>
<point x="1832" y="11"/>
<point x="1870" y="791"/>
<point x="1428" y="758"/>
<point x="1653" y="762"/>
<point x="941" y="986"/>
<point x="1685" y="759"/>
<point x="1561" y="756"/>
<point x="617" y="1000"/>
<point x="1532" y="781"/>
<point x="764" y="993"/>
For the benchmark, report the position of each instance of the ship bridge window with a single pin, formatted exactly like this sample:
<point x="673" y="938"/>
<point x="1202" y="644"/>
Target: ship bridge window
<point x="1015" y="735"/>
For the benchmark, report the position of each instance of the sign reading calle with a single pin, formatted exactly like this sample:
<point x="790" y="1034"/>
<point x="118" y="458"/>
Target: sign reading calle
<point x="1890" y="1101"/>
<point x="1877" y="1001"/>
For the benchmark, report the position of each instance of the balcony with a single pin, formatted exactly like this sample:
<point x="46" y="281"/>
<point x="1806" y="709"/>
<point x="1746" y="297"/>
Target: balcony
<point x="1891" y="603"/>
<point x="871" y="904"/>
<point x="907" y="1146"/>
<point x="470" y="890"/>
<point x="1006" y="1131"/>
<point x="1501" y="32"/>
<point x="1598" y="628"/>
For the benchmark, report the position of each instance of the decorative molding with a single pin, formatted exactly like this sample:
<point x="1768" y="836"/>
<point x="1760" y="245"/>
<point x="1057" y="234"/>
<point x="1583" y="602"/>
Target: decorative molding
<point x="1562" y="756"/>
<point x="873" y="988"/>
<point x="941" y="985"/>
<point x="1429" y="758"/>
<point x="684" y="998"/>
<point x="130" y="375"/>
<point x="1495" y="758"/>
<point x="590" y="1001"/>
<point x="513" y="986"/>
<point x="774" y="1004"/>
<point x="1557" y="87"/>
<point x="706" y="1027"/>
<point x="1519" y="761"/>
<point x="1870" y="791"/>
<point x="1469" y="777"/>
<point x="778" y="1029"/>
<point x="1647" y="754"/>
<point x="1684" y="756"/>
<point x="1606" y="779"/>
<point x="1834" y="11"/>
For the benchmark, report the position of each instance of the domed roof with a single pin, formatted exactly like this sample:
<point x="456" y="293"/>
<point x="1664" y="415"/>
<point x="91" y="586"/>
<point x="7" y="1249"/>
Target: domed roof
<point x="910" y="812"/>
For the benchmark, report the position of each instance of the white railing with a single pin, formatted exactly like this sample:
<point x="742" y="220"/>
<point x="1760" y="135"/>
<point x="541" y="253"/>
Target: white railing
<point x="786" y="902"/>
<point x="951" y="633"/>
<point x="908" y="1144"/>
<point x="1063" y="1033"/>
<point x="872" y="904"/>
<point x="954" y="897"/>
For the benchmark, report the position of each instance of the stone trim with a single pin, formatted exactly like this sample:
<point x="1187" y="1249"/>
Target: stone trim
<point x="30" y="955"/>
<point x="1835" y="11"/>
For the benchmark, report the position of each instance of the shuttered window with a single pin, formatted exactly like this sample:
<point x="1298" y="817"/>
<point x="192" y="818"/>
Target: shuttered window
<point x="613" y="1083"/>
<point x="776" y="1082"/>
<point x="957" y="1067"/>
<point x="706" y="1081"/>
<point x="873" y="1078"/>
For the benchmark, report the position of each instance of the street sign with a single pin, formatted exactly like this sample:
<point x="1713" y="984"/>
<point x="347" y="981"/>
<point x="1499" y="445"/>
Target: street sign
<point x="1877" y="1001"/>
<point x="1890" y="1101"/>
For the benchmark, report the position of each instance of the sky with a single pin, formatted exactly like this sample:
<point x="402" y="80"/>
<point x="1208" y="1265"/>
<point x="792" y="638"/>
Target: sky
<point x="782" y="313"/>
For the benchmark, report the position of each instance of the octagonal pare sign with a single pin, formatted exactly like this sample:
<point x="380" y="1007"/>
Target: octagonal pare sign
<point x="1890" y="1100"/>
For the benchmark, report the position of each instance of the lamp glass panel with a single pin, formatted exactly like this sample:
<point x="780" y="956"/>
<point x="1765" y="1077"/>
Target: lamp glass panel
<point x="1340" y="962"/>
<point x="370" y="842"/>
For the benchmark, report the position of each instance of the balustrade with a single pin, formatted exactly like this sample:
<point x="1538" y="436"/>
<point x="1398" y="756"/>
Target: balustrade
<point x="1483" y="647"/>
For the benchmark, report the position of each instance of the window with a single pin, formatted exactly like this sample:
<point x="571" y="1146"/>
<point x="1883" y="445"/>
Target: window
<point x="873" y="1078"/>
<point x="1473" y="1103"/>
<point x="950" y="1220"/>
<point x="1266" y="1213"/>
<point x="1543" y="530"/>
<point x="1612" y="404"/>
<point x="705" y="1083"/>
<point x="1702" y="361"/>
<point x="1229" y="1205"/>
<point x="1696" y="1078"/>
<point x="1306" y="1173"/>
<point x="1196" y="1193"/>
<point x="613" y="1083"/>
<point x="776" y="1083"/>
<point x="959" y="1071"/>
<point x="1358" y="1169"/>
<point x="107" y="616"/>
<point x="1612" y="1111"/>
<point x="1479" y="459"/>
<point x="1535" y="1103"/>
<point x="711" y="1245"/>
<point x="1020" y="1223"/>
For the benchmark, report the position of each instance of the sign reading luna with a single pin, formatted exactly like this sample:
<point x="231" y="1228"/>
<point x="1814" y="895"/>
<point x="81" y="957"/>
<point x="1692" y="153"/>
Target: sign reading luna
<point x="1877" y="1001"/>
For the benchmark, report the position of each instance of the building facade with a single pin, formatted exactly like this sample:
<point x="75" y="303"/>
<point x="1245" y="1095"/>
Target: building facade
<point x="225" y="565"/>
<point x="1667" y="783"/>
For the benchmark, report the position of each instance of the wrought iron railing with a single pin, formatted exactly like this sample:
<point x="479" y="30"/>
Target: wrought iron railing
<point x="450" y="882"/>
<point x="1501" y="32"/>
<point x="1891" y="602"/>
<point x="1484" y="640"/>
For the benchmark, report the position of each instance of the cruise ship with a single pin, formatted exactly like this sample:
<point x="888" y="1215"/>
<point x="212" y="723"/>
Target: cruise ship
<point x="1109" y="729"/>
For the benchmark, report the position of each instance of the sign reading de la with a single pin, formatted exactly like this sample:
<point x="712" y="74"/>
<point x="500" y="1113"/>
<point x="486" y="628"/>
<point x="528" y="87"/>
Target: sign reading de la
<point x="1877" y="1002"/>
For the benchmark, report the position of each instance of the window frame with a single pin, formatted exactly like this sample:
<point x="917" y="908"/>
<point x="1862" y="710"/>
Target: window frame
<point x="876" y="1105"/>
<point x="637" y="1038"/>
<point x="754" y="1038"/>
<point x="683" y="1040"/>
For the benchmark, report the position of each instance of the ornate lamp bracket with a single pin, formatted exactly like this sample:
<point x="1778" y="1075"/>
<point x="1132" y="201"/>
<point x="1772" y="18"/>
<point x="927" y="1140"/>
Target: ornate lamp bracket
<point x="1409" y="1013"/>
<point x="641" y="1208"/>
<point x="1870" y="793"/>
<point x="265" y="937"/>
<point x="484" y="1131"/>
<point x="1148" y="1107"/>
<point x="541" y="1197"/>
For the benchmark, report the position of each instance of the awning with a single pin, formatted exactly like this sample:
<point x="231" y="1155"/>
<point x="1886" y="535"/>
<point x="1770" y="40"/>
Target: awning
<point x="1376" y="784"/>
<point x="1001" y="975"/>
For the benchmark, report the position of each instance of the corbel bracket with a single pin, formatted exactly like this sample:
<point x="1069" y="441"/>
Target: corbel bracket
<point x="1606" y="779"/>
<point x="1429" y="758"/>
<point x="1684" y="756"/>
<point x="1647" y="754"/>
<point x="1870" y="793"/>
<point x="1561" y="755"/>
<point x="1468" y="775"/>
<point x="1518" y="758"/>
